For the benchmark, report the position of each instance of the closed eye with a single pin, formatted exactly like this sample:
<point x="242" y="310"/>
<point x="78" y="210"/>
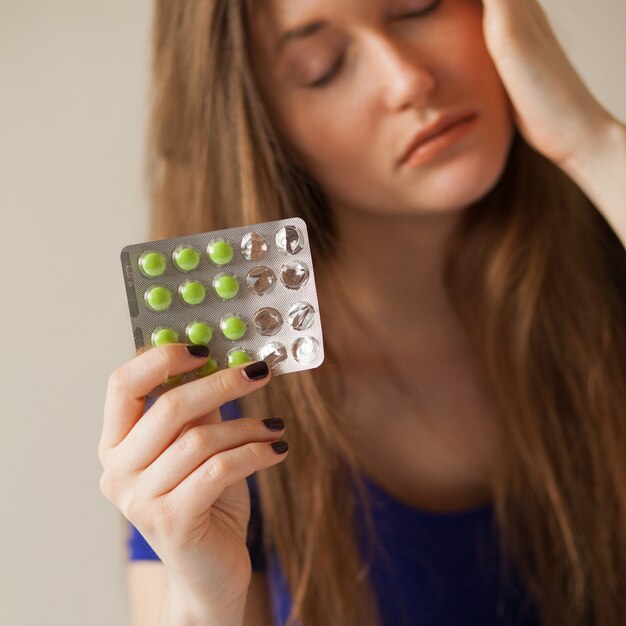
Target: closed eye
<point x="428" y="9"/>
<point x="331" y="73"/>
<point x="326" y="78"/>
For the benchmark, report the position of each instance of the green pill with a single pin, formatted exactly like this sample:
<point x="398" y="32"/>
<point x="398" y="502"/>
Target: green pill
<point x="237" y="357"/>
<point x="186" y="258"/>
<point x="226" y="286"/>
<point x="233" y="327"/>
<point x="208" y="368"/>
<point x="152" y="263"/>
<point x="192" y="292"/>
<point x="163" y="335"/>
<point x="158" y="298"/>
<point x="199" y="332"/>
<point x="174" y="380"/>
<point x="220" y="252"/>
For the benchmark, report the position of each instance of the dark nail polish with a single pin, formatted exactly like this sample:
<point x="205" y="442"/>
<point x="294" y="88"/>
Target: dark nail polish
<point x="256" y="370"/>
<point x="274" y="423"/>
<point x="280" y="446"/>
<point x="198" y="350"/>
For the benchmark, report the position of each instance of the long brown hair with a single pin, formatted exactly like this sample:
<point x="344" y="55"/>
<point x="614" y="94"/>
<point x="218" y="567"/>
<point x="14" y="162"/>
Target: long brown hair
<point x="545" y="310"/>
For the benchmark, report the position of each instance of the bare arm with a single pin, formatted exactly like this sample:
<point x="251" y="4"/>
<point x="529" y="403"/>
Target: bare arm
<point x="148" y="584"/>
<point x="599" y="169"/>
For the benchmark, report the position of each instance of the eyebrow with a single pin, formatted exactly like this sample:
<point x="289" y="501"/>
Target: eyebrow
<point x="305" y="30"/>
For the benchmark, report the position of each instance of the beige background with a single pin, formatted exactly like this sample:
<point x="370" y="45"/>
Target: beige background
<point x="73" y="95"/>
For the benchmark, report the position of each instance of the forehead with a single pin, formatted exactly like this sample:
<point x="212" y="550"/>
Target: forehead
<point x="289" y="13"/>
<point x="274" y="21"/>
<point x="286" y="11"/>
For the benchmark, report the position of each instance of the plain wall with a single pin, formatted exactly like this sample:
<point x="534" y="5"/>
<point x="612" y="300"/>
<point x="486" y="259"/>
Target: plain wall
<point x="73" y="105"/>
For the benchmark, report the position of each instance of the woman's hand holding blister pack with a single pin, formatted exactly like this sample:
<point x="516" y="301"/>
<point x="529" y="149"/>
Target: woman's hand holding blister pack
<point x="177" y="472"/>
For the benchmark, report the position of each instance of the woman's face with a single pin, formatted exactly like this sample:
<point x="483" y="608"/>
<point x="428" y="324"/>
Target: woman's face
<point x="390" y="74"/>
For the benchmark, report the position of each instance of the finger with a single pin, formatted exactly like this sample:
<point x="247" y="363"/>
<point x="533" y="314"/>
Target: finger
<point x="205" y="485"/>
<point x="129" y="384"/>
<point x="198" y="444"/>
<point x="164" y="420"/>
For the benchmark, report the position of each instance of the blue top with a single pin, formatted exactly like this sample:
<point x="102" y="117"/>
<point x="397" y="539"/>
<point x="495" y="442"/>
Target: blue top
<point x="433" y="569"/>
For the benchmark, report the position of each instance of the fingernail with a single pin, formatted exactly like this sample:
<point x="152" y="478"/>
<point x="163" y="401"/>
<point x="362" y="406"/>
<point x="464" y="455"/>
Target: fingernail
<point x="256" y="370"/>
<point x="198" y="350"/>
<point x="280" y="446"/>
<point x="274" y="423"/>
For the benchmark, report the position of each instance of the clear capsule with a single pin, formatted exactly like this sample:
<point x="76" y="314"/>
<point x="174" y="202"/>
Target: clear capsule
<point x="273" y="353"/>
<point x="267" y="321"/>
<point x="305" y="349"/>
<point x="253" y="246"/>
<point x="301" y="315"/>
<point x="289" y="240"/>
<point x="261" y="280"/>
<point x="294" y="274"/>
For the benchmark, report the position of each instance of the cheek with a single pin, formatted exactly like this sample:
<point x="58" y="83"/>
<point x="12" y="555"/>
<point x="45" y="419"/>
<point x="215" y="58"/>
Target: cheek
<point x="469" y="67"/>
<point x="464" y="46"/>
<point x="329" y="139"/>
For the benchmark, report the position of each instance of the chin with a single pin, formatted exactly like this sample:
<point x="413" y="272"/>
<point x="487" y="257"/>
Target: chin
<point x="461" y="182"/>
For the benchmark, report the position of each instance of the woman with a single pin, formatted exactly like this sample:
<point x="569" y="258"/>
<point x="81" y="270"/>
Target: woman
<point x="473" y="299"/>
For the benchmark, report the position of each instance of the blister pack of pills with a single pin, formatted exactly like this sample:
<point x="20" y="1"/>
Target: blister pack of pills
<point x="248" y="293"/>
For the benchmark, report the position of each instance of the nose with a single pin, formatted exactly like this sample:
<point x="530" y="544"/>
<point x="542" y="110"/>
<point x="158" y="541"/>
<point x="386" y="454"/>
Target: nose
<point x="406" y="82"/>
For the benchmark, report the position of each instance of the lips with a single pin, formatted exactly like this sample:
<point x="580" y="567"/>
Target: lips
<point x="440" y="125"/>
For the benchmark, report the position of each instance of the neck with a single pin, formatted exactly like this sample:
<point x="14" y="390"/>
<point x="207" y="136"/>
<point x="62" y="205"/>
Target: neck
<point x="393" y="265"/>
